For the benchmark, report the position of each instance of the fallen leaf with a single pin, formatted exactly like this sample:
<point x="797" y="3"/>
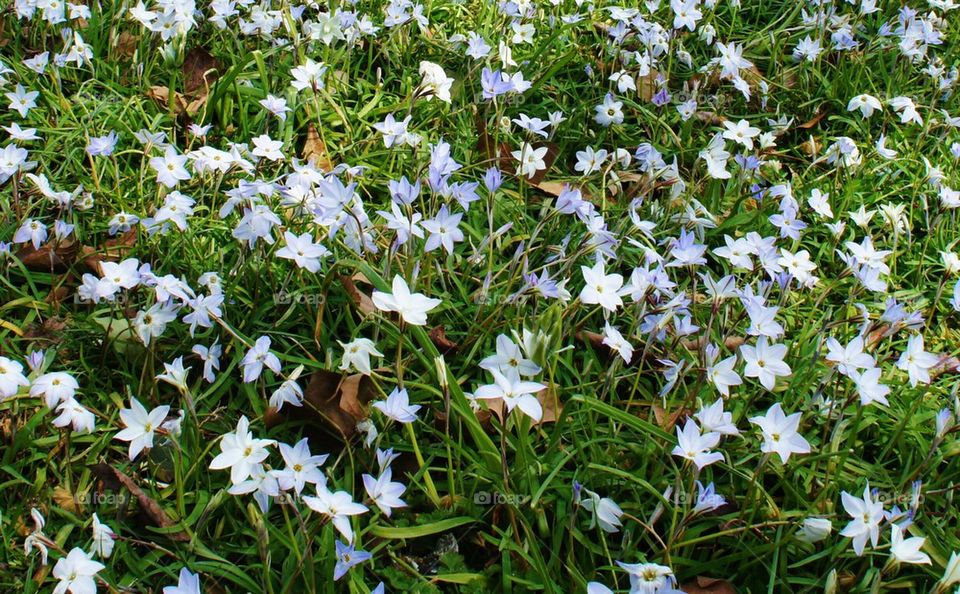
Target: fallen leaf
<point x="647" y="85"/>
<point x="112" y="250"/>
<point x="162" y="96"/>
<point x="315" y="150"/>
<point x="127" y="44"/>
<point x="150" y="507"/>
<point x="439" y="338"/>
<point x="49" y="257"/>
<point x="66" y="500"/>
<point x="708" y="585"/>
<point x="361" y="300"/>
<point x="668" y="421"/>
<point x="821" y="113"/>
<point x="200" y="70"/>
<point x="338" y="400"/>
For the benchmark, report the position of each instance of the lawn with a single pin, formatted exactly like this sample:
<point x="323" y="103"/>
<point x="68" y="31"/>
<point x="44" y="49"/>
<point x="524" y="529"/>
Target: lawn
<point x="469" y="296"/>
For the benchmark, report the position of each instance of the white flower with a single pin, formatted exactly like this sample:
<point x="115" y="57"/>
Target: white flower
<point x="384" y="491"/>
<point x="357" y="353"/>
<point x="649" y="578"/>
<point x="11" y="378"/>
<point x="916" y="361"/>
<point x="241" y="452"/>
<point x="713" y="418"/>
<point x="188" y="583"/>
<point x="606" y="512"/>
<point x="867" y="515"/>
<point x="302" y="467"/>
<point x="601" y="288"/>
<point x="694" y="446"/>
<point x="780" y="433"/>
<point x="907" y="550"/>
<point x="741" y="133"/>
<point x="765" y="362"/>
<point x="76" y="573"/>
<point x="815" y="529"/>
<point x="867" y="104"/>
<point x="412" y="307"/>
<point x="529" y="159"/>
<point x="76" y="415"/>
<point x="613" y="339"/>
<point x="397" y="406"/>
<point x="435" y="81"/>
<point x="515" y="392"/>
<point x="302" y="250"/>
<point x="140" y="426"/>
<point x="256" y="357"/>
<point x="338" y="506"/>
<point x="103" y="539"/>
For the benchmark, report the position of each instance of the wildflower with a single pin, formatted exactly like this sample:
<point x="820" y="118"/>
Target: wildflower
<point x="907" y="550"/>
<point x="867" y="104"/>
<point x="302" y="467"/>
<point x="780" y="433"/>
<point x="289" y="392"/>
<point x="412" y="307"/>
<point x="339" y="506"/>
<point x="397" y="406"/>
<point x="741" y="133"/>
<point x="609" y="112"/>
<point x="54" y="387"/>
<point x="515" y="392"/>
<point x="916" y="361"/>
<point x="649" y="578"/>
<point x="384" y="492"/>
<point x="357" y="353"/>
<point x="256" y="357"/>
<point x="103" y="539"/>
<point x="188" y="583"/>
<point x="866" y="516"/>
<point x="303" y="251"/>
<point x="175" y="374"/>
<point x="765" y="362"/>
<point x="76" y="415"/>
<point x="140" y="426"/>
<point x="170" y="167"/>
<point x="347" y="557"/>
<point x="605" y="512"/>
<point x="76" y="573"/>
<point x="435" y="82"/>
<point x="241" y="452"/>
<point x="530" y="160"/>
<point x="815" y="529"/>
<point x="695" y="446"/>
<point x="601" y="288"/>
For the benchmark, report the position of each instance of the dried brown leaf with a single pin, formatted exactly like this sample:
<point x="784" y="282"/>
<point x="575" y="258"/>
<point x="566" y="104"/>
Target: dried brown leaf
<point x="150" y="507"/>
<point x="315" y="150"/>
<point x="708" y="585"/>
<point x="361" y="300"/>
<point x="200" y="70"/>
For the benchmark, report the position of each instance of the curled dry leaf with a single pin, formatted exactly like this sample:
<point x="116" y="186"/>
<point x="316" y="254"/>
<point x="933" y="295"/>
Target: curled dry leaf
<point x="315" y="150"/>
<point x="200" y="70"/>
<point x="336" y="400"/>
<point x="439" y="338"/>
<point x="361" y="300"/>
<point x="150" y="507"/>
<point x="66" y="500"/>
<point x="708" y="585"/>
<point x="56" y="257"/>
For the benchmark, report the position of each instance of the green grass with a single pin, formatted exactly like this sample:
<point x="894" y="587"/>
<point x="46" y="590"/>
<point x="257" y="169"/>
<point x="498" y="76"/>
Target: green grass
<point x="607" y="435"/>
